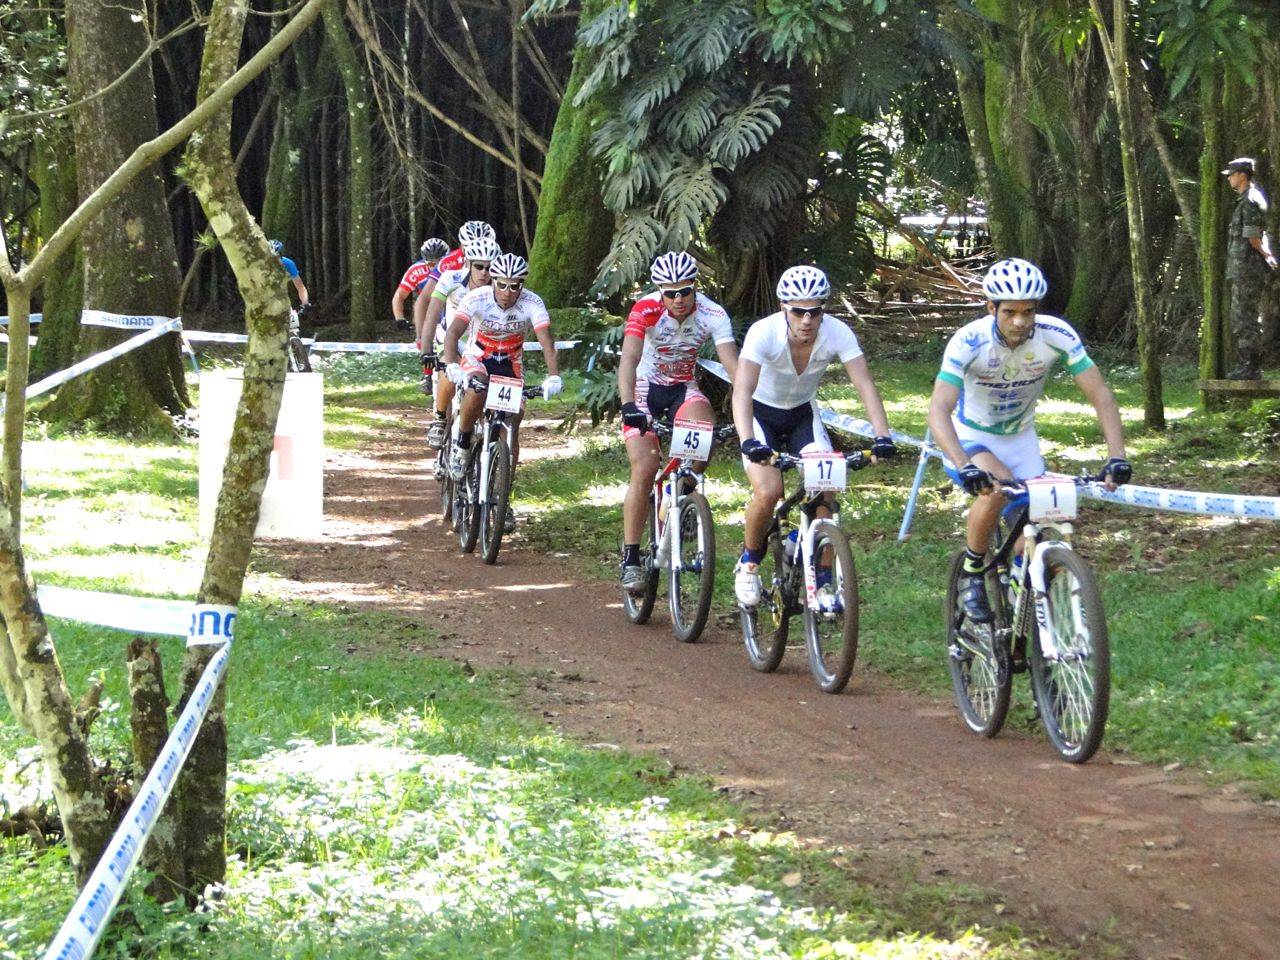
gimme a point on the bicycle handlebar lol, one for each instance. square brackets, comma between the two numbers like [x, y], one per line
[1014, 488]
[530, 391]
[854, 461]
[662, 430]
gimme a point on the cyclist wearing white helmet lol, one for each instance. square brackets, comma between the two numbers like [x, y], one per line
[774, 402]
[415, 278]
[291, 271]
[656, 378]
[449, 291]
[496, 317]
[982, 413]
[469, 232]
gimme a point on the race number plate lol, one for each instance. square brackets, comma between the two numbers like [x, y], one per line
[1051, 500]
[691, 440]
[824, 472]
[505, 393]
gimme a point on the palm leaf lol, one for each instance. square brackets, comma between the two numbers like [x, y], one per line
[609, 24]
[711, 32]
[690, 117]
[742, 132]
[652, 88]
[692, 193]
[636, 240]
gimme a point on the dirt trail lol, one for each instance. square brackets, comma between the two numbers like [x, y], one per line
[1159, 861]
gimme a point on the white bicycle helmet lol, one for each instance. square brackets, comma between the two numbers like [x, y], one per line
[475, 230]
[674, 267]
[482, 248]
[803, 283]
[434, 249]
[276, 246]
[1014, 279]
[509, 266]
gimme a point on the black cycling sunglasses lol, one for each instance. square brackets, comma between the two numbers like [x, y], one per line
[677, 294]
[482, 266]
[508, 284]
[804, 313]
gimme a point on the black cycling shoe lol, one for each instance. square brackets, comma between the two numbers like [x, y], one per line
[971, 588]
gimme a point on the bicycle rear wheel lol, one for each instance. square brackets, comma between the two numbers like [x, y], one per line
[831, 633]
[447, 492]
[469, 504]
[765, 626]
[693, 577]
[493, 508]
[299, 357]
[979, 662]
[639, 606]
[1072, 690]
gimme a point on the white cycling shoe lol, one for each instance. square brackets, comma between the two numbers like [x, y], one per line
[457, 464]
[746, 583]
[435, 434]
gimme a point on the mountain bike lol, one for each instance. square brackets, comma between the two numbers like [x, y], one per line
[480, 499]
[1048, 620]
[808, 569]
[679, 535]
[297, 352]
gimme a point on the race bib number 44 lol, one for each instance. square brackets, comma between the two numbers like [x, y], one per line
[1051, 500]
[691, 440]
[824, 472]
[505, 393]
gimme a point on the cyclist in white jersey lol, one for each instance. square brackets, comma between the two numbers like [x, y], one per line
[497, 317]
[448, 292]
[982, 413]
[657, 379]
[774, 402]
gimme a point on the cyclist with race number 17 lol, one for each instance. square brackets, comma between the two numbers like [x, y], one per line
[982, 412]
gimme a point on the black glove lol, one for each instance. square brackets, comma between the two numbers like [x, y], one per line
[883, 448]
[304, 307]
[974, 479]
[634, 417]
[756, 452]
[402, 323]
[429, 361]
[1118, 469]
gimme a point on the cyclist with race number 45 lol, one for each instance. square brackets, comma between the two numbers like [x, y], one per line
[775, 403]
[982, 412]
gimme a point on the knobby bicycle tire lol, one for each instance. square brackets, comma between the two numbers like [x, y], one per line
[469, 529]
[494, 500]
[639, 606]
[765, 626]
[703, 580]
[987, 716]
[832, 673]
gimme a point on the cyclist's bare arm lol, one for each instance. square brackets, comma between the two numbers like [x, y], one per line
[632, 348]
[1097, 392]
[454, 334]
[860, 376]
[941, 404]
[728, 354]
[548, 343]
[745, 379]
[426, 316]
[397, 303]
[303, 297]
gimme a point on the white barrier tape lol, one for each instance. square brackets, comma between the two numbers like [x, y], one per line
[83, 928]
[98, 359]
[138, 614]
[122, 321]
[211, 624]
[31, 318]
[210, 336]
[4, 338]
[337, 346]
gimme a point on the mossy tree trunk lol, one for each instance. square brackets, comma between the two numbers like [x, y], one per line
[360, 162]
[130, 261]
[574, 228]
[55, 172]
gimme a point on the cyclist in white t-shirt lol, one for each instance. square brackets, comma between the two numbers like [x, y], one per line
[774, 401]
[983, 409]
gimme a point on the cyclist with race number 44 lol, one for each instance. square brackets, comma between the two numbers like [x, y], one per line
[982, 412]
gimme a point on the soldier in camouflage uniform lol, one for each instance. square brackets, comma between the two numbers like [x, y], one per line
[1249, 261]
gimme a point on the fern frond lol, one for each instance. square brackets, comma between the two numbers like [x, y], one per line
[636, 241]
[610, 70]
[609, 24]
[743, 131]
[690, 117]
[655, 86]
[690, 195]
[711, 31]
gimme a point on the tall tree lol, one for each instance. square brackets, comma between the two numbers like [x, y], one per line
[130, 261]
[55, 171]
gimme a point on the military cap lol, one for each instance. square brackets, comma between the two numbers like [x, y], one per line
[1239, 165]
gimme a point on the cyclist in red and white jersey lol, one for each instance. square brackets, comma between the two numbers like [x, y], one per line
[497, 317]
[415, 278]
[469, 232]
[449, 292]
[656, 379]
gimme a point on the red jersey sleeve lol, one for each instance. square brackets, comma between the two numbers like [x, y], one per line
[454, 261]
[414, 277]
[643, 316]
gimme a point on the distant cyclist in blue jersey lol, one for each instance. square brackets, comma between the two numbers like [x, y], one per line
[291, 269]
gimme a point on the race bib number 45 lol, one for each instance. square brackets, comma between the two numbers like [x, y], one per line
[505, 394]
[824, 472]
[691, 440]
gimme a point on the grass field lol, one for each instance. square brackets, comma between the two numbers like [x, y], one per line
[385, 803]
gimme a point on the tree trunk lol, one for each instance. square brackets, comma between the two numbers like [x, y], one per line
[574, 228]
[1213, 227]
[360, 169]
[202, 786]
[60, 332]
[129, 254]
[1115, 46]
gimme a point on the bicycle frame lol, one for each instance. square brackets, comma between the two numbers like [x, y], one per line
[669, 487]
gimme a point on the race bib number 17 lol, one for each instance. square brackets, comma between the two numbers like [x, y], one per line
[824, 472]
[691, 439]
[505, 394]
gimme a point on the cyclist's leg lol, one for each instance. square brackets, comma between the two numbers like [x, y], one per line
[766, 491]
[810, 436]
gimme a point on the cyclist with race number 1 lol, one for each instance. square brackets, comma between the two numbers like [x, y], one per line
[982, 412]
[657, 378]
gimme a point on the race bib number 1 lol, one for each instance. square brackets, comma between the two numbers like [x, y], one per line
[824, 472]
[1051, 500]
[505, 393]
[691, 439]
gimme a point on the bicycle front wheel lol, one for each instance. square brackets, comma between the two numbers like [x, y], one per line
[469, 505]
[693, 575]
[831, 630]
[493, 508]
[765, 626]
[1071, 673]
[639, 606]
[299, 358]
[446, 482]
[979, 661]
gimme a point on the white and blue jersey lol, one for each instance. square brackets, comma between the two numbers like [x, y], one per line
[999, 384]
